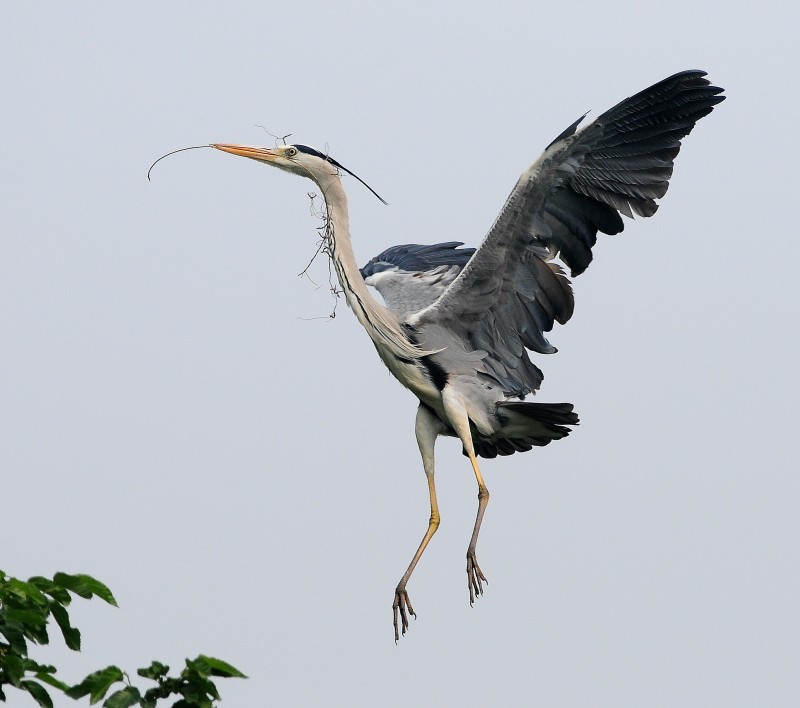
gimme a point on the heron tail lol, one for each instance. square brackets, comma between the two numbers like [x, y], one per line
[525, 425]
[552, 413]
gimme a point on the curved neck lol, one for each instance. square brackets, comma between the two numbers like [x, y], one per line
[337, 233]
[381, 324]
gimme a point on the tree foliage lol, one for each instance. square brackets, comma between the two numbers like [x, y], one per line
[26, 608]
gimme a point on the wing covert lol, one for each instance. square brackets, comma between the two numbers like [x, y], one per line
[411, 276]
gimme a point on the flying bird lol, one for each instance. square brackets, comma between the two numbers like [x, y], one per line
[458, 324]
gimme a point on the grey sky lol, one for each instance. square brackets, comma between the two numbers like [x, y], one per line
[245, 477]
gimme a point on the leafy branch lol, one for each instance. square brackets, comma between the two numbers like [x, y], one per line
[25, 611]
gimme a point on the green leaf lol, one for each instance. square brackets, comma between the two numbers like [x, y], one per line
[25, 591]
[194, 702]
[124, 698]
[197, 687]
[52, 680]
[155, 671]
[48, 587]
[37, 632]
[33, 667]
[72, 636]
[218, 667]
[95, 685]
[85, 586]
[198, 666]
[40, 695]
[15, 638]
[28, 617]
[14, 668]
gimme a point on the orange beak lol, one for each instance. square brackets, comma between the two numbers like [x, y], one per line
[254, 153]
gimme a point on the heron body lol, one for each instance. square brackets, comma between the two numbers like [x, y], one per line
[458, 323]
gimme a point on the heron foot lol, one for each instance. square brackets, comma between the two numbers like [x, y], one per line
[475, 578]
[401, 608]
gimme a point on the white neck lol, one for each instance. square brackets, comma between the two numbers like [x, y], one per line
[381, 324]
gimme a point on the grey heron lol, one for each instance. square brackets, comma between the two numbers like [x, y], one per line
[458, 323]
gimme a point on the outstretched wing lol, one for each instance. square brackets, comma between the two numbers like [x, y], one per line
[412, 276]
[511, 292]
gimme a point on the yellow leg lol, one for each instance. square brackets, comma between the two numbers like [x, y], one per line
[458, 418]
[475, 578]
[401, 602]
[428, 426]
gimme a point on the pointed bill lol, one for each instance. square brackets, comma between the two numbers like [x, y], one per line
[254, 153]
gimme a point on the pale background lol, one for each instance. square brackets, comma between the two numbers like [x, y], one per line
[245, 478]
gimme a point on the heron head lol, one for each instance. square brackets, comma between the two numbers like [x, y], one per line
[298, 159]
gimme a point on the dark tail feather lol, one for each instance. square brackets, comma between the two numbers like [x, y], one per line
[526, 425]
[555, 413]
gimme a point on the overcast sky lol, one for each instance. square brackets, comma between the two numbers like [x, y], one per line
[180, 419]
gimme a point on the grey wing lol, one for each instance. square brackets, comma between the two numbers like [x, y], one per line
[511, 293]
[412, 276]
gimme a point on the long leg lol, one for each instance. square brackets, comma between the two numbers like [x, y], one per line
[427, 428]
[475, 578]
[459, 419]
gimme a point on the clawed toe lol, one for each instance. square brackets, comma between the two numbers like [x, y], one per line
[475, 578]
[402, 608]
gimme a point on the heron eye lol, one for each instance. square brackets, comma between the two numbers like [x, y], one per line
[291, 152]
